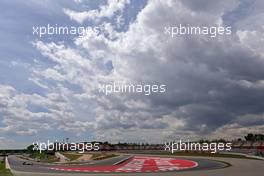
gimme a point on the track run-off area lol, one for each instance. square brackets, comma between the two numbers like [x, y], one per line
[138, 164]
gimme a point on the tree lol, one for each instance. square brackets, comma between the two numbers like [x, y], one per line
[30, 148]
[249, 137]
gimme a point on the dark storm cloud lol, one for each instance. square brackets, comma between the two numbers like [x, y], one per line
[210, 82]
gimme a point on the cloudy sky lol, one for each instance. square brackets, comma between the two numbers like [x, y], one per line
[49, 84]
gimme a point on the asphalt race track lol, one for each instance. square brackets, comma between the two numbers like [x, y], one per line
[122, 165]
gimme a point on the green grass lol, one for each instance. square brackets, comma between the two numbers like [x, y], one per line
[210, 155]
[202, 154]
[72, 156]
[50, 159]
[3, 170]
[44, 157]
[96, 155]
[101, 156]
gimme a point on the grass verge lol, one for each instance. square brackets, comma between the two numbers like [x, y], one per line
[3, 170]
[102, 156]
[202, 154]
[72, 156]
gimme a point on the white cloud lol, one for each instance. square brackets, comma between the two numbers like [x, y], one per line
[6, 143]
[253, 40]
[28, 114]
[107, 11]
[195, 69]
[210, 82]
